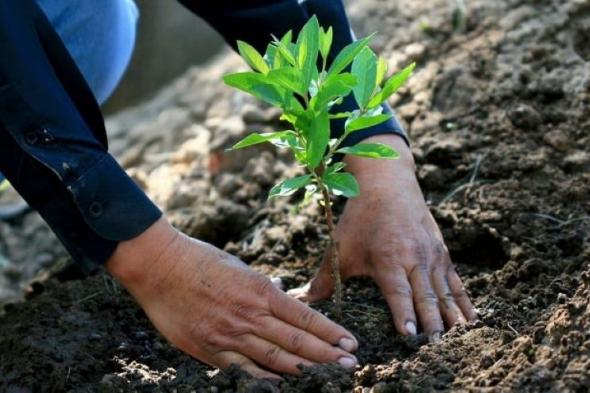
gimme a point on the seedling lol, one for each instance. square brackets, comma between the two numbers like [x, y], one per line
[297, 77]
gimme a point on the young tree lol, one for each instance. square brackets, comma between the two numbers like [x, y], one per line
[295, 77]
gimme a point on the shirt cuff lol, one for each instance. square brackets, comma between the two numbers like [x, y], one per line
[111, 203]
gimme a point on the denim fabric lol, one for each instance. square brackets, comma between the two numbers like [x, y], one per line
[100, 36]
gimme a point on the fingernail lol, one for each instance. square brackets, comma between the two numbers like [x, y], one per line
[435, 338]
[411, 328]
[348, 361]
[347, 344]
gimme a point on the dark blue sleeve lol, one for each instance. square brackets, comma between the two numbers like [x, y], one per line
[254, 21]
[53, 145]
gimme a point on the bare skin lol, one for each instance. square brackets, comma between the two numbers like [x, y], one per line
[215, 308]
[388, 233]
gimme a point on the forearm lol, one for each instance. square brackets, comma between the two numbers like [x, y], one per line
[53, 143]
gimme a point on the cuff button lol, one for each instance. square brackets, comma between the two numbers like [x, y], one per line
[95, 209]
[32, 137]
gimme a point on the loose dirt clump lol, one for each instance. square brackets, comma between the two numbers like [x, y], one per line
[499, 116]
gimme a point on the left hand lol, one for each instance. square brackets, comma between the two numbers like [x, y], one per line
[388, 233]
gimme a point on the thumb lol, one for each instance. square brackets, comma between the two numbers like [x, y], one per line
[319, 288]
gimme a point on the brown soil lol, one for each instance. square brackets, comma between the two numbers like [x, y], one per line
[499, 116]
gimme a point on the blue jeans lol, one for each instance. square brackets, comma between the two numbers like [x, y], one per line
[100, 36]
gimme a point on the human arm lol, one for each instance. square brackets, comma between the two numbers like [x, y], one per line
[53, 150]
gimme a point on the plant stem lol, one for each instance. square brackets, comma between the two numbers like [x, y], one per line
[333, 247]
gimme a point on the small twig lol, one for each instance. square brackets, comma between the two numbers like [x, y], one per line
[585, 218]
[87, 298]
[513, 329]
[471, 181]
[548, 217]
[559, 222]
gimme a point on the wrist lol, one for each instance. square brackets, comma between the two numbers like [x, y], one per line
[134, 259]
[361, 166]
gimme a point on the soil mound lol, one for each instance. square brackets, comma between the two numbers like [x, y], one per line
[499, 115]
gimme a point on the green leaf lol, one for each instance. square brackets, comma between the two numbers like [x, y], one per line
[256, 85]
[326, 38]
[347, 55]
[252, 57]
[335, 86]
[381, 71]
[307, 49]
[288, 77]
[365, 122]
[342, 183]
[364, 67]
[370, 150]
[290, 186]
[286, 54]
[256, 138]
[337, 167]
[284, 50]
[4, 185]
[317, 139]
[270, 55]
[287, 39]
[392, 85]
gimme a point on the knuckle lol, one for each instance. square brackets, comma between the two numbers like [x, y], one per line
[296, 341]
[440, 249]
[403, 291]
[263, 287]
[461, 294]
[420, 269]
[307, 318]
[271, 355]
[243, 312]
[447, 300]
[218, 340]
[416, 249]
[427, 299]
[384, 253]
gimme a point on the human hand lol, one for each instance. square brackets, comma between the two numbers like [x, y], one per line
[215, 308]
[388, 233]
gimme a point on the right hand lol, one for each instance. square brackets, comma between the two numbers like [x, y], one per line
[215, 308]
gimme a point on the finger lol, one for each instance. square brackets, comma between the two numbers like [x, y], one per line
[397, 291]
[306, 345]
[277, 282]
[319, 288]
[460, 295]
[227, 358]
[300, 315]
[426, 301]
[270, 355]
[449, 309]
